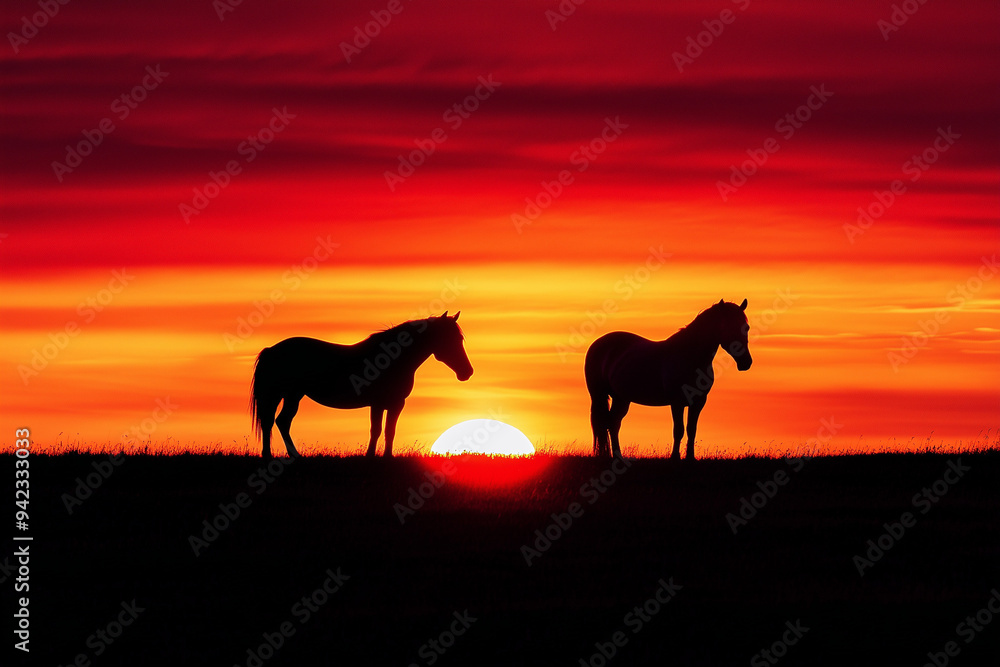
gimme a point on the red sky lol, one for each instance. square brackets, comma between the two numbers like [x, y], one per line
[851, 294]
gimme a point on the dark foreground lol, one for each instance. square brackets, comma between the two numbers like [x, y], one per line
[318, 569]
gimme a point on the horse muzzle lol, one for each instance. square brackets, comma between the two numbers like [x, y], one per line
[744, 363]
[464, 375]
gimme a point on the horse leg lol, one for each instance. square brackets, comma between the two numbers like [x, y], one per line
[265, 412]
[376, 430]
[284, 422]
[391, 417]
[677, 411]
[693, 411]
[619, 408]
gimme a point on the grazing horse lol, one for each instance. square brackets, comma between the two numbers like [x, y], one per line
[675, 372]
[377, 373]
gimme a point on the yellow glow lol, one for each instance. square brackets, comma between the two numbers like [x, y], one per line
[820, 342]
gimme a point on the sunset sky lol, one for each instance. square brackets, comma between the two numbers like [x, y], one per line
[185, 183]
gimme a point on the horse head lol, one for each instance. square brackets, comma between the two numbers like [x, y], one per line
[448, 346]
[733, 331]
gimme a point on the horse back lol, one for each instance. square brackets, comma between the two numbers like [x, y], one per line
[636, 369]
[336, 375]
[301, 352]
[606, 353]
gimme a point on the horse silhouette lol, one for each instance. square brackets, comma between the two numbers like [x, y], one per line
[677, 372]
[377, 372]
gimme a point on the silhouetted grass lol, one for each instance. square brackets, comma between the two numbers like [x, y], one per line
[985, 441]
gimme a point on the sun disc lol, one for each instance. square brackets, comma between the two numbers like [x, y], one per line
[483, 436]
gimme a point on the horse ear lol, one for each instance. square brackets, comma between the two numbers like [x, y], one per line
[445, 314]
[456, 316]
[743, 306]
[721, 302]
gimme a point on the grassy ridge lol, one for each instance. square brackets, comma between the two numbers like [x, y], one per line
[462, 547]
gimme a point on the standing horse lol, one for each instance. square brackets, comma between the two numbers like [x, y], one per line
[675, 372]
[377, 372]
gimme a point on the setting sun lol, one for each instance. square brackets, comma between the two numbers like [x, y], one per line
[483, 436]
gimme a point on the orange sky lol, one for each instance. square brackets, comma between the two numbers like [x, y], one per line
[830, 301]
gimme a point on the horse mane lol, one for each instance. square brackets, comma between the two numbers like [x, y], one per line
[702, 318]
[392, 331]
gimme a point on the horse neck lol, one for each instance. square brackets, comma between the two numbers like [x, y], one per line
[421, 349]
[700, 339]
[411, 355]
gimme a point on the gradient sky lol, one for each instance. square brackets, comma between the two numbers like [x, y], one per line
[312, 233]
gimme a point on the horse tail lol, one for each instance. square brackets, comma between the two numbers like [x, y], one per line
[600, 422]
[600, 411]
[262, 380]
